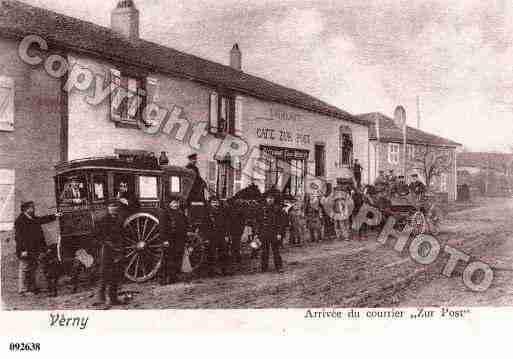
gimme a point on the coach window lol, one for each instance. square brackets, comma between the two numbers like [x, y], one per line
[73, 189]
[174, 185]
[124, 186]
[99, 182]
[148, 187]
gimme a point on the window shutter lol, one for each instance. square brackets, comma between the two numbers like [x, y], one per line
[389, 153]
[115, 83]
[238, 115]
[214, 107]
[6, 103]
[212, 175]
[237, 175]
[6, 199]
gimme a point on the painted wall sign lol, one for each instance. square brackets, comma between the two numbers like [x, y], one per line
[283, 136]
[277, 114]
[285, 153]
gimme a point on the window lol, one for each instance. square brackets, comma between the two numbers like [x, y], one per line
[222, 114]
[148, 188]
[6, 104]
[99, 187]
[175, 185]
[410, 149]
[393, 153]
[6, 199]
[443, 182]
[73, 190]
[128, 97]
[345, 146]
[124, 186]
[320, 160]
[285, 169]
[225, 179]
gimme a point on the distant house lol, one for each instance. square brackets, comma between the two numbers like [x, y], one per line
[432, 157]
[486, 173]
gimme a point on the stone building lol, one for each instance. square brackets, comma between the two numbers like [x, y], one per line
[432, 157]
[73, 89]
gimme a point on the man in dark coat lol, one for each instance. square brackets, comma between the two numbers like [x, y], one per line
[110, 234]
[218, 249]
[236, 213]
[30, 243]
[357, 172]
[173, 231]
[416, 186]
[197, 192]
[271, 224]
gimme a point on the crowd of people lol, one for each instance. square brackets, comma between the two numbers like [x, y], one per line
[323, 217]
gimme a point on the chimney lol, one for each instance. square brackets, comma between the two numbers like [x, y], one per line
[124, 19]
[236, 58]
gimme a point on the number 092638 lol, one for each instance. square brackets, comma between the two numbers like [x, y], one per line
[24, 347]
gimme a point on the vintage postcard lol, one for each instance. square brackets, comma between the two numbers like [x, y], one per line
[292, 163]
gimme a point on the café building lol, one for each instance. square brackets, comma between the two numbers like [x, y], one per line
[77, 90]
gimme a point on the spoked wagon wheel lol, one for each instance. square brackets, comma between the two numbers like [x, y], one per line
[142, 248]
[417, 221]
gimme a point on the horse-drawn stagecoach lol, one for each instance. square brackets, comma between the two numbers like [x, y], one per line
[85, 187]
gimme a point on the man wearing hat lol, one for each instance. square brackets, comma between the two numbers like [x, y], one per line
[173, 231]
[218, 250]
[197, 193]
[30, 243]
[271, 224]
[110, 234]
[416, 186]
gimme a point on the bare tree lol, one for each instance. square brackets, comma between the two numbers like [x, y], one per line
[431, 162]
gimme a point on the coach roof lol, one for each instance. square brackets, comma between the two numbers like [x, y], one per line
[18, 20]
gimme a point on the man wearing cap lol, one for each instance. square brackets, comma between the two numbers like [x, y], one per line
[110, 234]
[270, 229]
[173, 232]
[416, 186]
[197, 193]
[30, 243]
[218, 249]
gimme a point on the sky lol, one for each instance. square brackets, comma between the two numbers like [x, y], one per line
[359, 55]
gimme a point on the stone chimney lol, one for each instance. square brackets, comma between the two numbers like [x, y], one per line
[236, 58]
[124, 19]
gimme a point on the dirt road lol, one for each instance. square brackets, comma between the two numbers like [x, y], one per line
[339, 274]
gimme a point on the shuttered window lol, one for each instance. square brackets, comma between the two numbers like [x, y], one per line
[6, 103]
[6, 199]
[128, 97]
[238, 115]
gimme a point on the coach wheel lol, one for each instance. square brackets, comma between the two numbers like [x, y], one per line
[142, 248]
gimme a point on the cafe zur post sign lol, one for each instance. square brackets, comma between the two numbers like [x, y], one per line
[283, 134]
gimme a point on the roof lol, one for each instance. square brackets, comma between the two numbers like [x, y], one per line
[389, 132]
[114, 163]
[497, 161]
[18, 20]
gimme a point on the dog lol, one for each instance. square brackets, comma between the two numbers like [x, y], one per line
[53, 269]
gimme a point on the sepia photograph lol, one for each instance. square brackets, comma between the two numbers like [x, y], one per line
[243, 154]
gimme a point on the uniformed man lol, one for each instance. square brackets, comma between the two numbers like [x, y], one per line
[197, 192]
[218, 252]
[30, 244]
[270, 228]
[173, 231]
[416, 186]
[110, 233]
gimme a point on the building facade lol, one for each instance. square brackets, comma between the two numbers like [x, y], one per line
[78, 90]
[432, 157]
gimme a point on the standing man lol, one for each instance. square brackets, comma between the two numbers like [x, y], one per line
[173, 230]
[416, 186]
[30, 243]
[197, 193]
[271, 226]
[110, 233]
[357, 172]
[218, 248]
